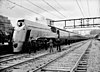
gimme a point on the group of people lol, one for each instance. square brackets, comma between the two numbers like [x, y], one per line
[32, 45]
[51, 45]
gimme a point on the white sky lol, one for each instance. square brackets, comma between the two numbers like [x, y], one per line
[69, 8]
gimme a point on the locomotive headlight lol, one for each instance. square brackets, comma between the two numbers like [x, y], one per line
[20, 24]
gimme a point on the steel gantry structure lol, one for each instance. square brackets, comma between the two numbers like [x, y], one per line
[82, 23]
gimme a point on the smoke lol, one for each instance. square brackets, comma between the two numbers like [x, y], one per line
[1, 2]
[6, 4]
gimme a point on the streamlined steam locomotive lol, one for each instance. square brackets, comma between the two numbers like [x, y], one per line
[27, 30]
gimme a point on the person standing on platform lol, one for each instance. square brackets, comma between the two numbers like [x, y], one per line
[58, 45]
[51, 45]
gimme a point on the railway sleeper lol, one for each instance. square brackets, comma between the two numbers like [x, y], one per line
[81, 69]
[87, 52]
[47, 70]
[82, 65]
[85, 57]
[83, 62]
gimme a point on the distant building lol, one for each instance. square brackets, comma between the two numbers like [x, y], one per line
[5, 24]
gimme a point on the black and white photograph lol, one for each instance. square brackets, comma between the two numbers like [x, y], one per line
[49, 35]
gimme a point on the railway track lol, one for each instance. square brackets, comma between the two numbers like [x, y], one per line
[67, 62]
[9, 57]
[29, 62]
[14, 56]
[2, 56]
[90, 60]
[18, 56]
[94, 58]
[82, 62]
[16, 61]
[48, 61]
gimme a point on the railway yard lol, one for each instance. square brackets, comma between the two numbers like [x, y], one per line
[78, 57]
[49, 35]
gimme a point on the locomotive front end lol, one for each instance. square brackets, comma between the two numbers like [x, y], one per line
[19, 36]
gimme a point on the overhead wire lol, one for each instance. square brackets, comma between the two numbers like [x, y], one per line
[80, 8]
[42, 8]
[59, 4]
[24, 8]
[99, 7]
[88, 7]
[54, 8]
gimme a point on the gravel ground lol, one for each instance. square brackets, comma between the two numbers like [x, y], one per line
[5, 55]
[94, 58]
[15, 61]
[21, 56]
[34, 64]
[13, 56]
